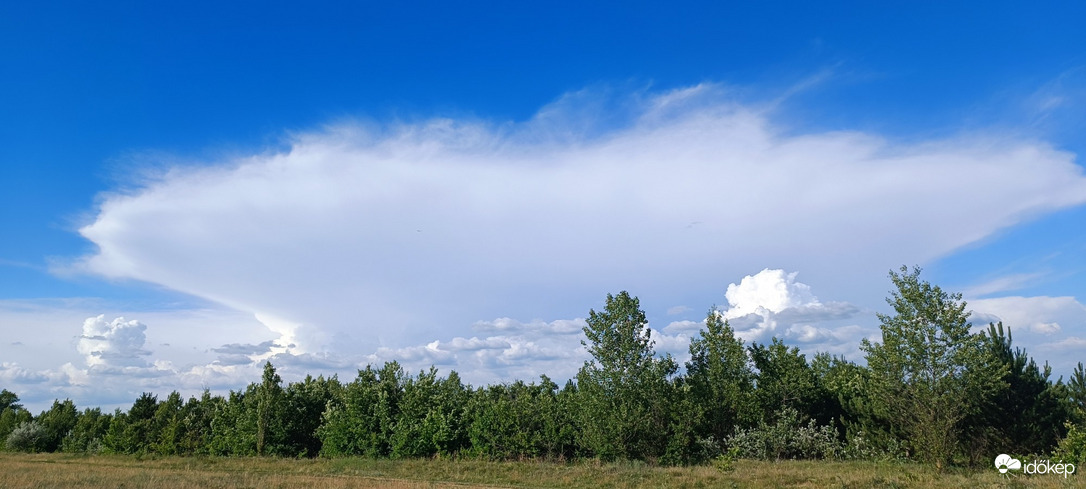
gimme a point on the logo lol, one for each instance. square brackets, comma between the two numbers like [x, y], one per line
[1005, 462]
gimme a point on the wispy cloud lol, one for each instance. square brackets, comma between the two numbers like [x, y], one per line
[1005, 283]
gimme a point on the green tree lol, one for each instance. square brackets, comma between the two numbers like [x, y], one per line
[86, 435]
[624, 389]
[305, 405]
[132, 432]
[233, 426]
[268, 408]
[9, 399]
[167, 427]
[929, 372]
[1028, 415]
[785, 380]
[196, 418]
[1076, 394]
[12, 414]
[431, 418]
[720, 379]
[360, 422]
[57, 422]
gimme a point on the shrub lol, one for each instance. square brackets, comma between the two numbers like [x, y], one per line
[1072, 448]
[27, 437]
[788, 438]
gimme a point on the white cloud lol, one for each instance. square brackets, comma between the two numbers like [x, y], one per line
[767, 291]
[1041, 314]
[356, 239]
[1049, 328]
[772, 303]
[114, 343]
[1001, 284]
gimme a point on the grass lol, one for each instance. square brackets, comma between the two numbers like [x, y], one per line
[100, 471]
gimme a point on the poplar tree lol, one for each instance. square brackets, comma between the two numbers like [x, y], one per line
[930, 371]
[624, 388]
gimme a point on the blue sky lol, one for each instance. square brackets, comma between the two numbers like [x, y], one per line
[338, 183]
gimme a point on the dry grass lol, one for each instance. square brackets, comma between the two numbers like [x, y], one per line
[63, 471]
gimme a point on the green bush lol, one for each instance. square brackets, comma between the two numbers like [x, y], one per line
[1072, 448]
[787, 438]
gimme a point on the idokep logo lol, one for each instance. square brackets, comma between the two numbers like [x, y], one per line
[1005, 463]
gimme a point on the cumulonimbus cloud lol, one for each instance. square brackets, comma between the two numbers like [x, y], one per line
[357, 238]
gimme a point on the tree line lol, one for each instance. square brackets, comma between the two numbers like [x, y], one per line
[931, 390]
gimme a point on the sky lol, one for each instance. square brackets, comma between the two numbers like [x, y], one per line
[188, 190]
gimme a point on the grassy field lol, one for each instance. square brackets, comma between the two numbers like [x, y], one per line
[62, 471]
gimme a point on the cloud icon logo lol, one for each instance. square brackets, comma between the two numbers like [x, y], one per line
[1005, 462]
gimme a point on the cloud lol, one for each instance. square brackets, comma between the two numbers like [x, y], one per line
[1001, 284]
[560, 326]
[12, 373]
[1040, 314]
[1049, 328]
[769, 291]
[117, 343]
[359, 237]
[245, 349]
[392, 241]
[772, 302]
[671, 311]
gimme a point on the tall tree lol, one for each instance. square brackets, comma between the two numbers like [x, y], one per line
[720, 379]
[268, 408]
[930, 371]
[1028, 415]
[624, 388]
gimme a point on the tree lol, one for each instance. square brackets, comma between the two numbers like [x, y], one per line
[57, 422]
[1026, 416]
[268, 409]
[930, 371]
[12, 414]
[86, 435]
[785, 380]
[624, 388]
[131, 432]
[1076, 397]
[720, 379]
[431, 418]
[8, 400]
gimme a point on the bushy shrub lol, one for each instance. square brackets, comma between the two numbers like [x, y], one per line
[1072, 448]
[787, 438]
[861, 446]
[27, 437]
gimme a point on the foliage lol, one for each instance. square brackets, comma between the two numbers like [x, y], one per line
[11, 415]
[57, 422]
[787, 438]
[9, 400]
[1026, 414]
[930, 372]
[86, 435]
[721, 381]
[361, 422]
[431, 417]
[931, 389]
[624, 389]
[30, 436]
[517, 420]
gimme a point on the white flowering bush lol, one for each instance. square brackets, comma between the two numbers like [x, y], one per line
[787, 438]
